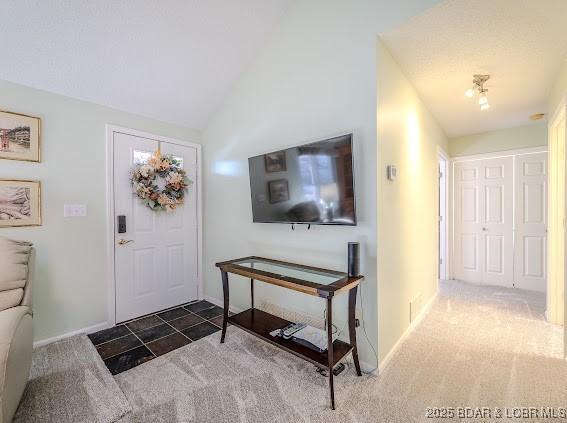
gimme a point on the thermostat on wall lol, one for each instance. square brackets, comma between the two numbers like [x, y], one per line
[392, 172]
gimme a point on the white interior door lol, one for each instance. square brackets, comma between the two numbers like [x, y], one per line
[483, 237]
[157, 267]
[497, 203]
[530, 254]
[468, 252]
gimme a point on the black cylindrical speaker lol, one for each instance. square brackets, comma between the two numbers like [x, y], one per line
[353, 259]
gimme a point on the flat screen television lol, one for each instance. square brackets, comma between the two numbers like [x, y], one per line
[310, 184]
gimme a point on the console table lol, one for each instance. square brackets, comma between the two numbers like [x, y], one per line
[322, 283]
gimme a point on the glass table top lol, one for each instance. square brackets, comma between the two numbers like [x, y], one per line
[321, 277]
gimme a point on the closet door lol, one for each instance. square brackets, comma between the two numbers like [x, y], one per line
[483, 242]
[531, 222]
[468, 252]
[497, 204]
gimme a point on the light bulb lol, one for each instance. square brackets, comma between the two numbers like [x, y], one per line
[485, 106]
[483, 99]
[469, 93]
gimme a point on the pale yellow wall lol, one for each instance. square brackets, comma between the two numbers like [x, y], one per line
[559, 89]
[408, 137]
[532, 135]
[556, 238]
[70, 291]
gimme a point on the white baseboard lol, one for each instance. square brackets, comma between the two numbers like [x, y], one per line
[384, 363]
[87, 330]
[220, 303]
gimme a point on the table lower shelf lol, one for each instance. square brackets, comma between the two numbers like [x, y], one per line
[260, 323]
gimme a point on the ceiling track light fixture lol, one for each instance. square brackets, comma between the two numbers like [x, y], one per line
[478, 88]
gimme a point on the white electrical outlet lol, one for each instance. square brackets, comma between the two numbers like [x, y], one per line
[74, 210]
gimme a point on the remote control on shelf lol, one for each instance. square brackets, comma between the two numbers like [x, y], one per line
[291, 329]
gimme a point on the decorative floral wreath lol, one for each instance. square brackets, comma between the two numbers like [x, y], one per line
[145, 182]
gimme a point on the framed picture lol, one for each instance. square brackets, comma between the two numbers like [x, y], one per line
[20, 203]
[275, 162]
[278, 191]
[19, 137]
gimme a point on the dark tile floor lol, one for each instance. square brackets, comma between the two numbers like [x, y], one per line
[137, 341]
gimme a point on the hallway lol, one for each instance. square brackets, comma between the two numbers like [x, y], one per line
[478, 347]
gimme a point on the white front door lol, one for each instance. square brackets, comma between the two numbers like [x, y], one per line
[484, 221]
[531, 222]
[156, 258]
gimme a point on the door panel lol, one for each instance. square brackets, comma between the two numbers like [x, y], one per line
[534, 256]
[494, 250]
[469, 245]
[530, 256]
[144, 271]
[157, 268]
[470, 204]
[493, 196]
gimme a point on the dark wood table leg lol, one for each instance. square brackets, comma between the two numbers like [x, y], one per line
[330, 348]
[352, 327]
[251, 293]
[224, 276]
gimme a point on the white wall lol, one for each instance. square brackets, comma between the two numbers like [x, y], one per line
[408, 208]
[315, 77]
[526, 136]
[70, 287]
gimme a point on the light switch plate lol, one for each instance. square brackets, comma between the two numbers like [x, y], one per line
[74, 210]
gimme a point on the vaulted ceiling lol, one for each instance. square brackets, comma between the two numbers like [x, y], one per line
[520, 43]
[174, 60]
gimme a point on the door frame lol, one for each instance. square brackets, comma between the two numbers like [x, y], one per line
[473, 157]
[110, 263]
[444, 212]
[560, 113]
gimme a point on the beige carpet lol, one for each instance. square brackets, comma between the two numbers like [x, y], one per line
[69, 383]
[478, 347]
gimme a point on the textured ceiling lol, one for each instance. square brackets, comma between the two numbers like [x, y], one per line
[173, 60]
[520, 43]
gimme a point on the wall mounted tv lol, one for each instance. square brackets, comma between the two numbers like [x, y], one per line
[310, 184]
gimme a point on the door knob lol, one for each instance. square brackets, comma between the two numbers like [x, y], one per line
[125, 241]
[484, 229]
